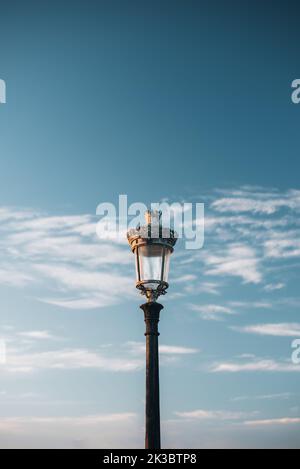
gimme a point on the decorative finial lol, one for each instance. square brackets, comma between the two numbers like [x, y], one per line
[153, 217]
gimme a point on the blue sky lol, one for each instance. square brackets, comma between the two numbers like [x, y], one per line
[189, 102]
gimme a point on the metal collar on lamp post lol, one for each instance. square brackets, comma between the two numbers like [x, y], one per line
[152, 245]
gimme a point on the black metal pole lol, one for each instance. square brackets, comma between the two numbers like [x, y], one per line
[152, 438]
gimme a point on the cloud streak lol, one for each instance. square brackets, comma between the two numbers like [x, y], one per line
[67, 359]
[238, 261]
[63, 254]
[275, 330]
[24, 355]
[257, 365]
[211, 312]
[258, 203]
[116, 429]
[201, 414]
[273, 422]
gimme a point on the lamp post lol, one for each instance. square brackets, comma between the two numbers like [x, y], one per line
[152, 245]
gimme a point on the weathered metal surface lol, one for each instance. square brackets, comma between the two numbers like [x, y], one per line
[152, 314]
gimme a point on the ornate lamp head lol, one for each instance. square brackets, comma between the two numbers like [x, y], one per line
[152, 245]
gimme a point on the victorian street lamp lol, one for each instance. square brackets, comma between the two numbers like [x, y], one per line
[152, 246]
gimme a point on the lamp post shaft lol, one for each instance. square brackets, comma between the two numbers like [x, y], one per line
[152, 437]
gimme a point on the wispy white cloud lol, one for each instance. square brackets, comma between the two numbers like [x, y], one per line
[255, 365]
[74, 278]
[38, 335]
[217, 312]
[264, 397]
[13, 214]
[67, 359]
[78, 421]
[82, 302]
[283, 245]
[96, 289]
[196, 287]
[276, 330]
[38, 222]
[24, 354]
[240, 205]
[237, 261]
[201, 414]
[209, 287]
[119, 429]
[259, 202]
[251, 304]
[248, 228]
[13, 277]
[211, 312]
[63, 254]
[274, 286]
[185, 278]
[272, 422]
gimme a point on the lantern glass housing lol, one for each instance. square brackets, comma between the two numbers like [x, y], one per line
[152, 255]
[154, 261]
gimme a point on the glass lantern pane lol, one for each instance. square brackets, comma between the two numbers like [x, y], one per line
[150, 261]
[137, 265]
[167, 265]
